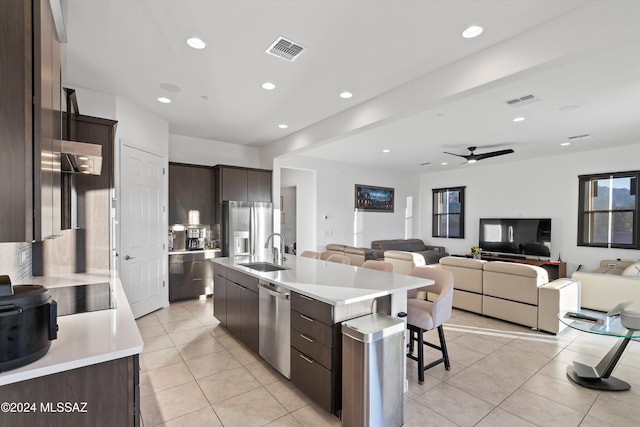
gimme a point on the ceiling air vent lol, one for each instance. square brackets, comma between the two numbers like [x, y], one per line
[285, 49]
[523, 100]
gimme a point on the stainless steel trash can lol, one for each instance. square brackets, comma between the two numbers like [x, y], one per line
[372, 371]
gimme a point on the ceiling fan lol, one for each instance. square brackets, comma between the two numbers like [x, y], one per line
[472, 158]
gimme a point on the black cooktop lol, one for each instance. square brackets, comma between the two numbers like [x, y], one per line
[83, 298]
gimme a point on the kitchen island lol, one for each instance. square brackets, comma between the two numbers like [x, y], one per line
[89, 376]
[321, 295]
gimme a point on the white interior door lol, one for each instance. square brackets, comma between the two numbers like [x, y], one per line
[142, 253]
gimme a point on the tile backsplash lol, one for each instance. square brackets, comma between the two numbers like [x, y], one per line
[15, 261]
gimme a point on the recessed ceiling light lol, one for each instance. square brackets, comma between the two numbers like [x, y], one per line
[283, 126]
[268, 86]
[346, 95]
[518, 119]
[196, 43]
[164, 100]
[472, 31]
[170, 87]
[85, 166]
[83, 158]
[444, 163]
[564, 144]
[386, 150]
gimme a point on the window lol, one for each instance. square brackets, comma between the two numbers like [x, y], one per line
[608, 210]
[448, 212]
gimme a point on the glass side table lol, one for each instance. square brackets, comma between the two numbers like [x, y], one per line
[599, 377]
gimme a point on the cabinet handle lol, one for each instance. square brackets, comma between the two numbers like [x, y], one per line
[306, 297]
[306, 338]
[306, 318]
[306, 358]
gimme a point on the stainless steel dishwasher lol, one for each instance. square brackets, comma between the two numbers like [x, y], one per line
[275, 326]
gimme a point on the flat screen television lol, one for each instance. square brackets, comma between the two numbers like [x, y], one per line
[520, 236]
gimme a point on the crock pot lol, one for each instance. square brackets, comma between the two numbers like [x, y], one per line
[28, 323]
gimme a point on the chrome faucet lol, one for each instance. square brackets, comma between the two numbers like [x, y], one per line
[278, 255]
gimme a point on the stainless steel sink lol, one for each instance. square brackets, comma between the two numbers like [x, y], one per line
[263, 266]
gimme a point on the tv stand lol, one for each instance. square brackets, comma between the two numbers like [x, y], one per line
[555, 269]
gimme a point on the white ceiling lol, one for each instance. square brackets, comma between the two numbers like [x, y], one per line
[419, 87]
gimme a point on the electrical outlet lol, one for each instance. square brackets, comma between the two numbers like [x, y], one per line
[23, 256]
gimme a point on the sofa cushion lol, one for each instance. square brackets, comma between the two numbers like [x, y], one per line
[633, 270]
[612, 266]
[384, 245]
[517, 269]
[476, 264]
[403, 262]
[467, 273]
[411, 245]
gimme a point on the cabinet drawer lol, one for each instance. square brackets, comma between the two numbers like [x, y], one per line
[312, 328]
[312, 308]
[312, 379]
[243, 279]
[312, 348]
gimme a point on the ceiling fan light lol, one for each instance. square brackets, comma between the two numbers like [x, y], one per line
[471, 161]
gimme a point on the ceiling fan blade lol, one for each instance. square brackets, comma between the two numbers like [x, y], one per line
[454, 154]
[493, 154]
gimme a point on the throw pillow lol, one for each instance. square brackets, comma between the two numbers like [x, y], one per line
[633, 270]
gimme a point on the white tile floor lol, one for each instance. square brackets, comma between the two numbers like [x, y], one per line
[195, 374]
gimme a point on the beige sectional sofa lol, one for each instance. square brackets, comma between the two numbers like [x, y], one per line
[356, 255]
[403, 262]
[613, 282]
[518, 293]
[467, 287]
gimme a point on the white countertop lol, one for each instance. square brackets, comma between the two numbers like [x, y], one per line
[330, 282]
[85, 338]
[206, 252]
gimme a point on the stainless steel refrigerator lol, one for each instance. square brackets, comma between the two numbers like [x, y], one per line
[245, 227]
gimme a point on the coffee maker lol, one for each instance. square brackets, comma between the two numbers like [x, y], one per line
[195, 238]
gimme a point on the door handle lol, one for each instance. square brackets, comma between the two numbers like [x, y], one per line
[127, 257]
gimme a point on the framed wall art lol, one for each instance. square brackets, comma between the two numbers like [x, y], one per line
[369, 198]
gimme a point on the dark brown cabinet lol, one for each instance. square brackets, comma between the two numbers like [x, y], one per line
[190, 275]
[30, 76]
[220, 298]
[315, 351]
[236, 304]
[106, 394]
[241, 185]
[191, 187]
[316, 348]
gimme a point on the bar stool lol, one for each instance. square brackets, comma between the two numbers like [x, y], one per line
[423, 316]
[378, 265]
[340, 259]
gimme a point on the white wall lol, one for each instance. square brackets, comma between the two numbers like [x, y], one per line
[534, 188]
[306, 186]
[288, 213]
[337, 221]
[93, 103]
[197, 151]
